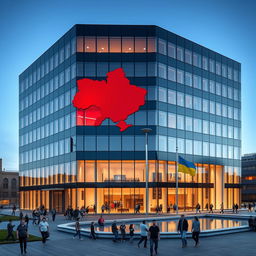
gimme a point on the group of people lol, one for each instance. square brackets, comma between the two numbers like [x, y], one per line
[73, 214]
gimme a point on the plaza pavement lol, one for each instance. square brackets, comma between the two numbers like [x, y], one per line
[62, 244]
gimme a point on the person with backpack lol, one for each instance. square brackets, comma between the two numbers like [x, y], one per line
[196, 230]
[44, 229]
[182, 229]
[10, 231]
[22, 236]
[123, 233]
[154, 236]
[78, 230]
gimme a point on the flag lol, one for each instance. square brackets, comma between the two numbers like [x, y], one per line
[186, 166]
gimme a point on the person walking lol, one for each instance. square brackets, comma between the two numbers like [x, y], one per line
[93, 234]
[131, 229]
[53, 212]
[182, 229]
[14, 208]
[236, 208]
[143, 234]
[196, 230]
[22, 236]
[123, 233]
[101, 221]
[78, 230]
[154, 236]
[211, 208]
[44, 229]
[222, 208]
[115, 231]
[26, 219]
[10, 231]
[198, 207]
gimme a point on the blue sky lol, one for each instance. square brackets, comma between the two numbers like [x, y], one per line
[28, 28]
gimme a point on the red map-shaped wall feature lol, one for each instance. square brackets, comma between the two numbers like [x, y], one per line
[114, 98]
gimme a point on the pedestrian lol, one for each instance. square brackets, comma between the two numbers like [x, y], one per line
[115, 231]
[22, 236]
[182, 229]
[154, 236]
[131, 229]
[10, 231]
[93, 234]
[198, 207]
[101, 221]
[143, 234]
[78, 230]
[44, 229]
[26, 219]
[21, 215]
[236, 208]
[211, 208]
[222, 208]
[196, 230]
[249, 207]
[53, 212]
[123, 233]
[14, 208]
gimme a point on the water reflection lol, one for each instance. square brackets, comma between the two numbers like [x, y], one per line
[171, 225]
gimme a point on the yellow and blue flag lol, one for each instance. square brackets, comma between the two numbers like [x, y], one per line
[186, 166]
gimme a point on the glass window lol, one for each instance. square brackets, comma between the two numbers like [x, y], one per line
[224, 70]
[152, 93]
[218, 129]
[236, 115]
[151, 44]
[172, 97]
[171, 120]
[139, 142]
[162, 72]
[102, 143]
[197, 103]
[140, 44]
[218, 150]
[212, 66]
[180, 76]
[188, 56]
[197, 60]
[180, 122]
[236, 94]
[224, 111]
[197, 82]
[230, 132]
[236, 133]
[197, 147]
[224, 90]
[236, 75]
[230, 92]
[67, 50]
[212, 107]
[102, 69]
[212, 128]
[80, 44]
[162, 46]
[127, 143]
[140, 69]
[197, 125]
[218, 68]
[212, 149]
[205, 85]
[188, 79]
[230, 112]
[102, 44]
[128, 68]
[218, 89]
[127, 44]
[89, 44]
[230, 76]
[218, 109]
[205, 63]
[181, 145]
[162, 118]
[115, 143]
[162, 143]
[90, 143]
[189, 124]
[115, 44]
[162, 94]
[171, 144]
[206, 148]
[212, 86]
[152, 71]
[230, 152]
[189, 147]
[180, 53]
[205, 127]
[188, 99]
[172, 74]
[152, 117]
[140, 118]
[224, 130]
[180, 99]
[171, 50]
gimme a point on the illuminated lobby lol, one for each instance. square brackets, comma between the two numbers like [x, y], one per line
[193, 102]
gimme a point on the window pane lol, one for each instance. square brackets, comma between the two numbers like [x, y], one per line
[171, 50]
[188, 56]
[89, 44]
[180, 99]
[102, 44]
[172, 74]
[171, 120]
[162, 94]
[140, 44]
[151, 44]
[162, 46]
[180, 53]
[127, 44]
[115, 44]
[162, 72]
[171, 144]
[162, 118]
[172, 97]
[80, 44]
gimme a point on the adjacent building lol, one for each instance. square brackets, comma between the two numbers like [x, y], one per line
[193, 102]
[249, 178]
[9, 187]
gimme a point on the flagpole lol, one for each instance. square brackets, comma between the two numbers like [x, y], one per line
[177, 182]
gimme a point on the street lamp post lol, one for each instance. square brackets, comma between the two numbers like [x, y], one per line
[146, 131]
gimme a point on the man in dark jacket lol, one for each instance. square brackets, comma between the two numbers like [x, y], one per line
[10, 230]
[182, 229]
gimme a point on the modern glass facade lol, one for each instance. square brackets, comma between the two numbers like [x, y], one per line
[193, 102]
